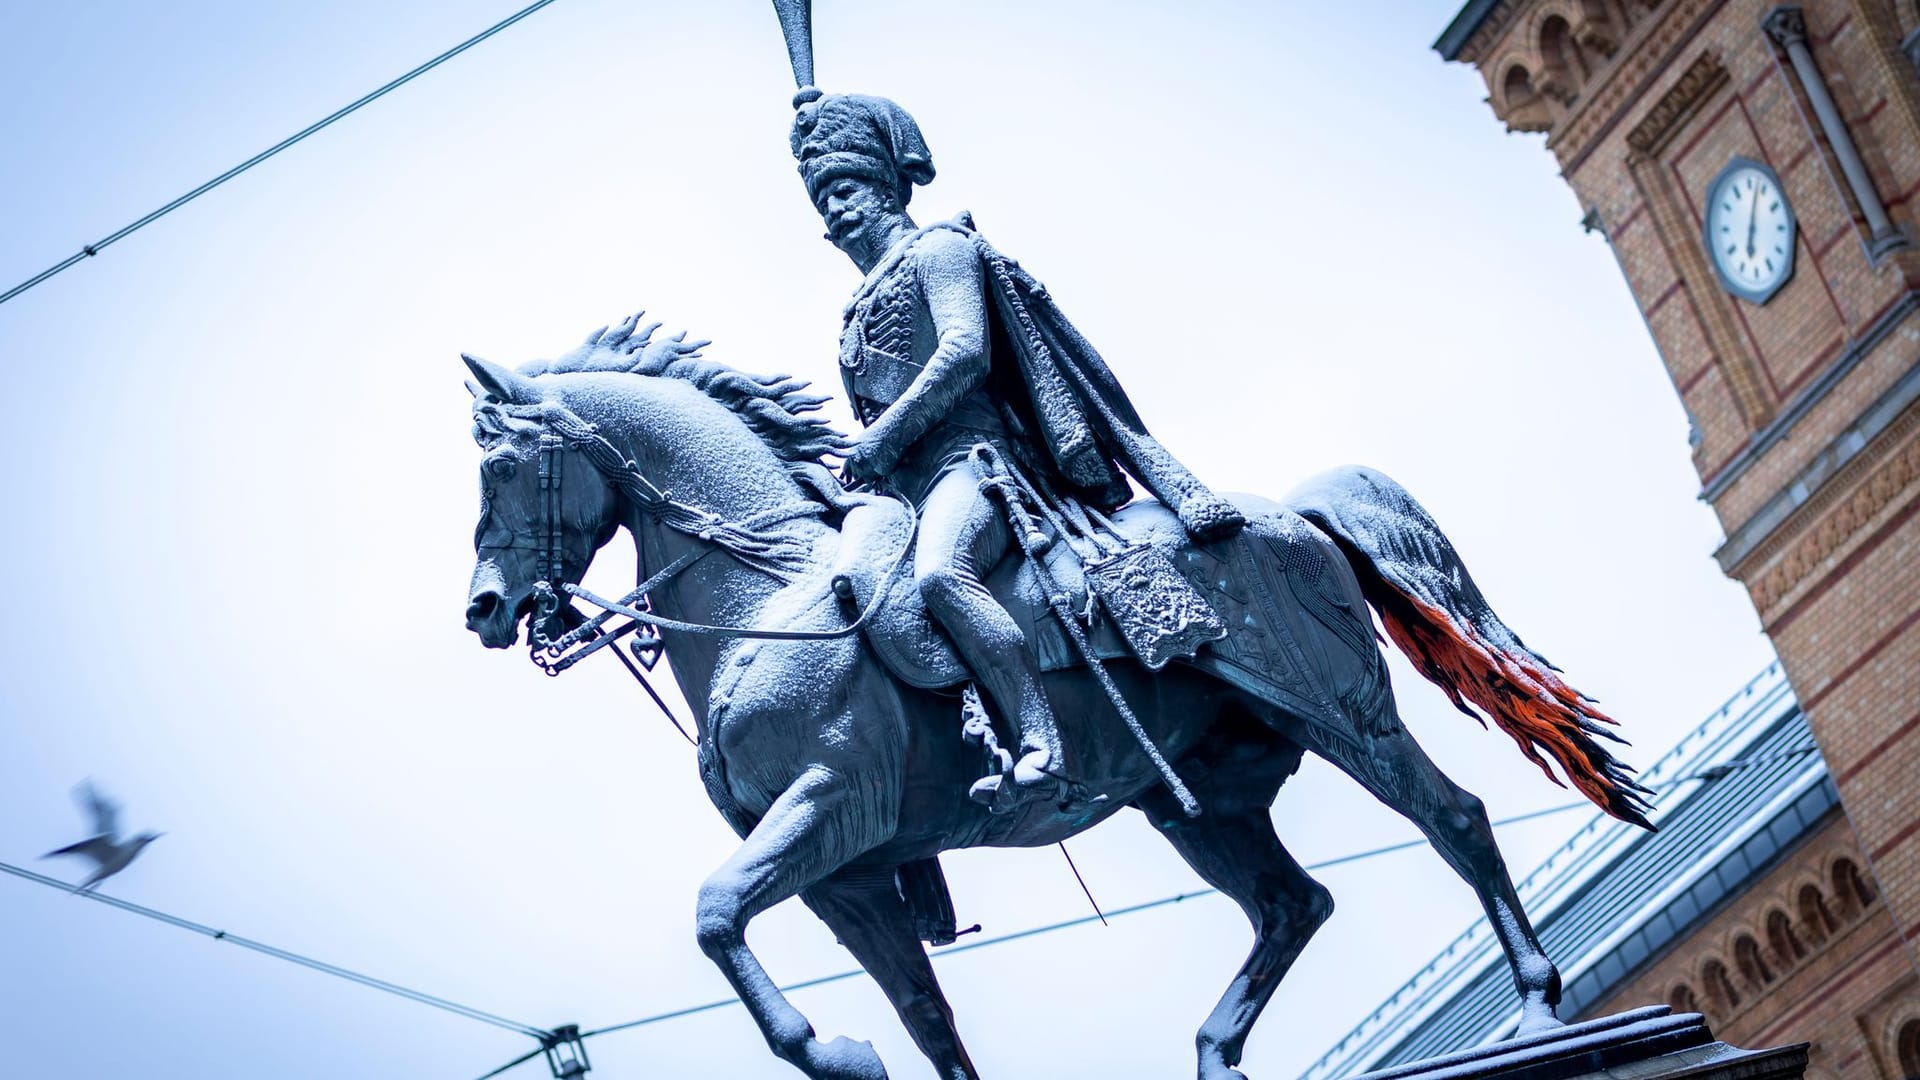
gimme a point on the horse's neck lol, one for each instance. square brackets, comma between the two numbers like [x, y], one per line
[699, 452]
[716, 588]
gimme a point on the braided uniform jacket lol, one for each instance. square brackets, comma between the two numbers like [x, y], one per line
[886, 343]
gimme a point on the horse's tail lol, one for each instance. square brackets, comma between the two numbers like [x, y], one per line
[1432, 609]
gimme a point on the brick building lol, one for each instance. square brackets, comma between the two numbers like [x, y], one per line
[1755, 168]
[1749, 905]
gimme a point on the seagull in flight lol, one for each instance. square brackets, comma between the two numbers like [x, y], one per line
[109, 853]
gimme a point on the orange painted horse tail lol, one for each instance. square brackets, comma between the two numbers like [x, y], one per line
[1432, 609]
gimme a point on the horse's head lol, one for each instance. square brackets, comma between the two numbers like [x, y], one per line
[554, 489]
[544, 509]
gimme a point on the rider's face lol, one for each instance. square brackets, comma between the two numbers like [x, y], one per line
[852, 207]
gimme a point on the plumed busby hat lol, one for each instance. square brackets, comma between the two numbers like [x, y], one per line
[854, 135]
[847, 135]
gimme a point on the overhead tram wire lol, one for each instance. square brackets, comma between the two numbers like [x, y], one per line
[90, 250]
[309, 962]
[548, 1038]
[1709, 774]
[1064, 924]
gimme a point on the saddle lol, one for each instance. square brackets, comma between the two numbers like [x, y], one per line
[1125, 603]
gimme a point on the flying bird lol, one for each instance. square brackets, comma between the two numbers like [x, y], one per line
[109, 853]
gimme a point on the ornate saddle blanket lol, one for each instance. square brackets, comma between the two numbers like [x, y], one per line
[1264, 585]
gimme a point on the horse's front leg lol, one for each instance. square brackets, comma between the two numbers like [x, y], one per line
[812, 829]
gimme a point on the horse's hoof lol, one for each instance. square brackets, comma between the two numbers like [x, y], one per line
[845, 1059]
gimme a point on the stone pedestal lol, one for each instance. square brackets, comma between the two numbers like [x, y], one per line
[1645, 1044]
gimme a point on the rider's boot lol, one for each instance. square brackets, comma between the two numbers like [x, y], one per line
[1040, 771]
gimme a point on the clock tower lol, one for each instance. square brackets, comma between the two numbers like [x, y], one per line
[1756, 167]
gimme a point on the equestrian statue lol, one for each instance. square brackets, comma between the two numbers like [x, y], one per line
[856, 649]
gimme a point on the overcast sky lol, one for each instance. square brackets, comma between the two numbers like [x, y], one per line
[239, 492]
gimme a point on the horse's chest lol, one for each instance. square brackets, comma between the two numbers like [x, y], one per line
[775, 704]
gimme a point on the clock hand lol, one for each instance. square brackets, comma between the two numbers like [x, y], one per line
[1753, 217]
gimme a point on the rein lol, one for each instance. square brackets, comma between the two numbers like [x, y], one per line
[747, 540]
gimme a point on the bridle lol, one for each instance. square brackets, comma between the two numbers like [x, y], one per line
[753, 541]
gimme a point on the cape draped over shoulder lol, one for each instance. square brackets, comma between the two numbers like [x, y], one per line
[1062, 396]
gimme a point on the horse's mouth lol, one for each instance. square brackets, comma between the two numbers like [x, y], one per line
[497, 624]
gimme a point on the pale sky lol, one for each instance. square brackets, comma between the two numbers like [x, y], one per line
[240, 493]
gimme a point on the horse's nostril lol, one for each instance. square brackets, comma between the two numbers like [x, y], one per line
[482, 607]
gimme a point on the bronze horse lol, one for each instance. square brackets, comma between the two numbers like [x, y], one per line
[836, 773]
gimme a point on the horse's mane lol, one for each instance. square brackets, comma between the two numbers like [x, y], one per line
[775, 407]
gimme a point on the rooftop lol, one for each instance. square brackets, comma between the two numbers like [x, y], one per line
[1455, 37]
[1739, 790]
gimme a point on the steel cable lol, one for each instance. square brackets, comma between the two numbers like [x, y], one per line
[341, 113]
[264, 949]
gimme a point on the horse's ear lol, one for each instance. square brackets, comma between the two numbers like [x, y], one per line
[506, 384]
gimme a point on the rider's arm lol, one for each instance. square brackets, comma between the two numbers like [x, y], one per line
[954, 285]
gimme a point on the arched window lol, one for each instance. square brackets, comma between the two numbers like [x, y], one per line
[1520, 104]
[1746, 954]
[1906, 1046]
[1719, 986]
[1786, 944]
[1561, 54]
[1814, 914]
[1518, 87]
[1682, 999]
[1850, 887]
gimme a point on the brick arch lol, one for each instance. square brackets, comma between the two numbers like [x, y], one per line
[1564, 65]
[1683, 999]
[1717, 985]
[1903, 1040]
[1814, 910]
[1851, 892]
[1783, 938]
[1515, 99]
[1753, 967]
[1566, 11]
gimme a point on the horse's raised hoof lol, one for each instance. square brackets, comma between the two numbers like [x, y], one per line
[844, 1059]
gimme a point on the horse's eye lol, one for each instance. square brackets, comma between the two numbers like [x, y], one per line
[501, 468]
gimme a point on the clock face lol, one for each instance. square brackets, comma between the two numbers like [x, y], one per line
[1750, 230]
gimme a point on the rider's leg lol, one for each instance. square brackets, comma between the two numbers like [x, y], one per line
[962, 536]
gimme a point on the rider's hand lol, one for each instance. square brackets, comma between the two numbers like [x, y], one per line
[871, 458]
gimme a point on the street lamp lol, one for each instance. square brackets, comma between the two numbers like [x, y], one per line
[566, 1052]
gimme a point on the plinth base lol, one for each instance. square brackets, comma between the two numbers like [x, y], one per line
[1644, 1044]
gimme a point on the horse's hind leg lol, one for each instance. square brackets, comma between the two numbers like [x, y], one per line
[864, 909]
[811, 830]
[1236, 851]
[1398, 772]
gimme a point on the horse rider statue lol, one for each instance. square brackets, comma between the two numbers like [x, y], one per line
[948, 346]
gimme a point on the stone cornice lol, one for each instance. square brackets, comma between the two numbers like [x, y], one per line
[1480, 24]
[1847, 504]
[1640, 63]
[1678, 105]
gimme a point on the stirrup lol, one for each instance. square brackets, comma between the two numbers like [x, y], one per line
[1001, 795]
